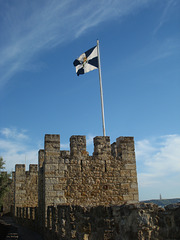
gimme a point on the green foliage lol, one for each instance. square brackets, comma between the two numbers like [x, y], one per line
[4, 181]
[2, 163]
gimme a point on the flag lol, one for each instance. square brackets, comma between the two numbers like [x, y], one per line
[87, 62]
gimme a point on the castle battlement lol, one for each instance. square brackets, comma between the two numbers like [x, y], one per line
[78, 145]
[52, 143]
[25, 186]
[72, 195]
[73, 177]
[20, 169]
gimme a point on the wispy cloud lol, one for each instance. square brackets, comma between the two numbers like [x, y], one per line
[12, 133]
[165, 14]
[158, 162]
[169, 47]
[153, 53]
[15, 148]
[30, 27]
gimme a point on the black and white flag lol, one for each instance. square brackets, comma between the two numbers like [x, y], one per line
[87, 62]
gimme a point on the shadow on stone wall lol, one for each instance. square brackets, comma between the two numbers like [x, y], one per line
[126, 222]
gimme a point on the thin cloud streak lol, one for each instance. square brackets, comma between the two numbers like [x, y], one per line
[164, 16]
[152, 53]
[31, 28]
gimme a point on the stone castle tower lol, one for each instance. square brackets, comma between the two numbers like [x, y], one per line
[72, 195]
[108, 177]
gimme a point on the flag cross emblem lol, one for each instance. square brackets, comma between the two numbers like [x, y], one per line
[87, 62]
[84, 61]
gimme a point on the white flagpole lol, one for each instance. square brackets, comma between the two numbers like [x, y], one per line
[101, 90]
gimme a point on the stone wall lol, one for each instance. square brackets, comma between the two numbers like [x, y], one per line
[26, 186]
[108, 177]
[89, 197]
[102, 179]
[125, 222]
[139, 221]
[28, 216]
[41, 187]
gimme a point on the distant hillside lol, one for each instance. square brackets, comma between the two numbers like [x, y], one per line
[163, 202]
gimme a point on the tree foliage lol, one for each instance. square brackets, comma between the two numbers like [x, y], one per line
[4, 181]
[2, 163]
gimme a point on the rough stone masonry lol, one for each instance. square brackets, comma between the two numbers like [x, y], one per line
[71, 195]
[108, 177]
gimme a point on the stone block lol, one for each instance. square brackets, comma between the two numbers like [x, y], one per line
[102, 145]
[78, 145]
[57, 187]
[134, 173]
[33, 168]
[19, 169]
[125, 173]
[124, 144]
[60, 193]
[52, 157]
[128, 197]
[134, 185]
[58, 201]
[130, 166]
[40, 158]
[52, 142]
[125, 185]
[136, 197]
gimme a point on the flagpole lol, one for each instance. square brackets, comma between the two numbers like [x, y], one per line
[101, 90]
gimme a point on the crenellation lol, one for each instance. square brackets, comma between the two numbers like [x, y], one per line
[102, 146]
[40, 158]
[108, 177]
[25, 186]
[78, 145]
[125, 145]
[65, 154]
[20, 169]
[72, 195]
[52, 142]
[33, 168]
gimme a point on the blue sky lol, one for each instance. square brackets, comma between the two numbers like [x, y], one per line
[40, 92]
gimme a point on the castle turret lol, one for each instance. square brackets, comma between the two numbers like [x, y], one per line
[108, 177]
[54, 178]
